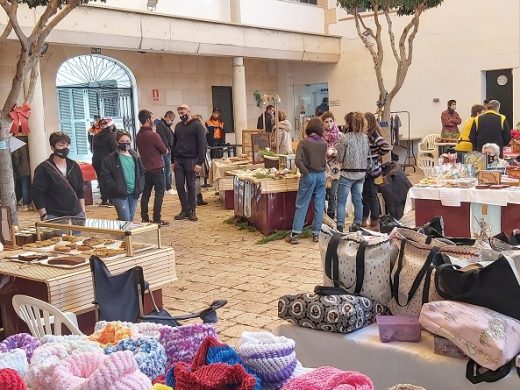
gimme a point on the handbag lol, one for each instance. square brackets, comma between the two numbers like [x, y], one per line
[411, 276]
[359, 264]
[330, 309]
[495, 286]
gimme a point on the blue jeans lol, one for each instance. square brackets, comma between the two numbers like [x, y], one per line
[25, 184]
[333, 196]
[125, 207]
[345, 187]
[167, 158]
[311, 184]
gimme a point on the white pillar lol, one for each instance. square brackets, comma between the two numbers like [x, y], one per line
[39, 149]
[239, 98]
[234, 7]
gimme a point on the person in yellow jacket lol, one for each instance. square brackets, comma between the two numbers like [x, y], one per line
[464, 144]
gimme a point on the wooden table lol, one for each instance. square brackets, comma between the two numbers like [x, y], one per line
[71, 289]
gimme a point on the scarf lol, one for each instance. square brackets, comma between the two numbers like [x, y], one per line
[331, 136]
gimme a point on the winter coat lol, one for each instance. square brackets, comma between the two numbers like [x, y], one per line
[394, 189]
[103, 144]
[282, 135]
[113, 178]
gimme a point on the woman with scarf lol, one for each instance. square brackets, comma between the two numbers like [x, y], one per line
[282, 134]
[332, 135]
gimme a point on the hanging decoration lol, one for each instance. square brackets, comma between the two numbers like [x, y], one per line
[20, 116]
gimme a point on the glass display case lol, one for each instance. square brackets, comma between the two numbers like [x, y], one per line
[126, 229]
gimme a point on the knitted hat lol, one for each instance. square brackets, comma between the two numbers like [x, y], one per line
[11, 380]
[16, 360]
[148, 353]
[112, 332]
[270, 357]
[94, 371]
[406, 387]
[23, 341]
[160, 386]
[330, 378]
[181, 343]
[47, 356]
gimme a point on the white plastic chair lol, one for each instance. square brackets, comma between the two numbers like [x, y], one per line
[427, 165]
[42, 318]
[428, 146]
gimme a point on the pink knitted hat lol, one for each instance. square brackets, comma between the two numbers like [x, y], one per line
[330, 378]
[91, 371]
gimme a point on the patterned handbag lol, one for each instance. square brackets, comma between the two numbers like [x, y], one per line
[330, 309]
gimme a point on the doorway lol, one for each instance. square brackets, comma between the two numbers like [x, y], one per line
[93, 85]
[499, 86]
[222, 98]
[306, 98]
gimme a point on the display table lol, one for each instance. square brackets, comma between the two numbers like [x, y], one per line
[89, 174]
[454, 205]
[71, 289]
[386, 364]
[268, 205]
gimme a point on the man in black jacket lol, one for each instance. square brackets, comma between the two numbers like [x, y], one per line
[164, 129]
[188, 154]
[269, 115]
[57, 189]
[103, 144]
[490, 128]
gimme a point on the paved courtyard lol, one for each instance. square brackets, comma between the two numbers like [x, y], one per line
[215, 260]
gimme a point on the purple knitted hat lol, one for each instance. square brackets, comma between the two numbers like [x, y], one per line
[181, 343]
[23, 341]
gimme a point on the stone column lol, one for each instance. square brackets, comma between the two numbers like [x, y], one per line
[234, 7]
[239, 98]
[39, 149]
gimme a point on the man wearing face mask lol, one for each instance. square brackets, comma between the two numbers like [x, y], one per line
[164, 129]
[450, 120]
[57, 188]
[188, 154]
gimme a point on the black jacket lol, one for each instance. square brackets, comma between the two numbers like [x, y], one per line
[103, 144]
[50, 191]
[113, 178]
[190, 141]
[268, 121]
[166, 134]
[394, 189]
[490, 127]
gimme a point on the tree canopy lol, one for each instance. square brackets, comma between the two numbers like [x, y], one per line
[403, 7]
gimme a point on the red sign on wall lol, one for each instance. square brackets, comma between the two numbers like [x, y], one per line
[155, 95]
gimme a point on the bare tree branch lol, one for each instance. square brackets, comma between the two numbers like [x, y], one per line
[59, 17]
[391, 34]
[11, 9]
[35, 72]
[365, 27]
[6, 33]
[379, 43]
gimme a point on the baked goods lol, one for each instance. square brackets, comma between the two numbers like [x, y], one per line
[135, 246]
[32, 257]
[104, 252]
[93, 241]
[72, 245]
[62, 248]
[70, 238]
[54, 239]
[110, 242]
[67, 260]
[83, 248]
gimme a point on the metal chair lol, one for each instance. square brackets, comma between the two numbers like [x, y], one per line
[121, 298]
[427, 165]
[42, 318]
[428, 146]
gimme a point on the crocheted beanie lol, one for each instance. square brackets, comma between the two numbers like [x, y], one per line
[110, 333]
[11, 380]
[15, 359]
[214, 376]
[23, 341]
[148, 353]
[406, 387]
[90, 371]
[47, 356]
[330, 378]
[270, 357]
[181, 343]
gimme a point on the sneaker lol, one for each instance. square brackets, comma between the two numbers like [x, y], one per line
[171, 191]
[182, 215]
[292, 239]
[331, 214]
[163, 223]
[354, 227]
[110, 204]
[315, 238]
[364, 223]
[200, 201]
[104, 203]
[192, 216]
[145, 220]
[339, 229]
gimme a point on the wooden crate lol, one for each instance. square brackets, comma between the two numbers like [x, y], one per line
[247, 147]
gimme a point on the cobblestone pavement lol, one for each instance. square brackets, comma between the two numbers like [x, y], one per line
[215, 260]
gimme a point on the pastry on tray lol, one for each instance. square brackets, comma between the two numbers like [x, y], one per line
[72, 245]
[104, 252]
[62, 248]
[70, 238]
[134, 245]
[83, 248]
[67, 260]
[93, 241]
[54, 239]
[32, 257]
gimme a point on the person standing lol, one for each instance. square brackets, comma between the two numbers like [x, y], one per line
[269, 115]
[151, 148]
[332, 136]
[189, 153]
[352, 154]
[490, 127]
[323, 107]
[215, 133]
[450, 120]
[378, 148]
[58, 187]
[164, 129]
[103, 144]
[283, 134]
[123, 175]
[94, 129]
[22, 173]
[464, 144]
[310, 160]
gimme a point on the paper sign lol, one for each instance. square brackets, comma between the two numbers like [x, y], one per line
[449, 197]
[15, 144]
[155, 95]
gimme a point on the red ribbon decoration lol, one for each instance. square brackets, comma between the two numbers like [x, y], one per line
[20, 116]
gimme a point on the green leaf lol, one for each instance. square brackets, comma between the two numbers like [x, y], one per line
[38, 3]
[404, 7]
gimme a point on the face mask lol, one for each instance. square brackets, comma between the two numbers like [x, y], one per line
[123, 146]
[62, 153]
[184, 117]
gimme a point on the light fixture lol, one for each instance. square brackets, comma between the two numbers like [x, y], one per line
[151, 5]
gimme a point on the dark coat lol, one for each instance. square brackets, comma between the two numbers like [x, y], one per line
[113, 178]
[103, 144]
[268, 121]
[394, 189]
[490, 127]
[166, 133]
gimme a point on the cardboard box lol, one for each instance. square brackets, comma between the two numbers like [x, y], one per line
[489, 177]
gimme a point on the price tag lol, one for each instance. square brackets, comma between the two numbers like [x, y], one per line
[3, 145]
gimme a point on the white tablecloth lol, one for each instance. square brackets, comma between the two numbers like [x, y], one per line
[450, 196]
[386, 364]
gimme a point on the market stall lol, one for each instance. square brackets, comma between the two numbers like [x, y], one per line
[57, 270]
[267, 198]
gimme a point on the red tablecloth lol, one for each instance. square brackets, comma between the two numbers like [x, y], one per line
[88, 171]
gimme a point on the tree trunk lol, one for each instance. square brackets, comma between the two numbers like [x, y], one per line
[7, 193]
[386, 129]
